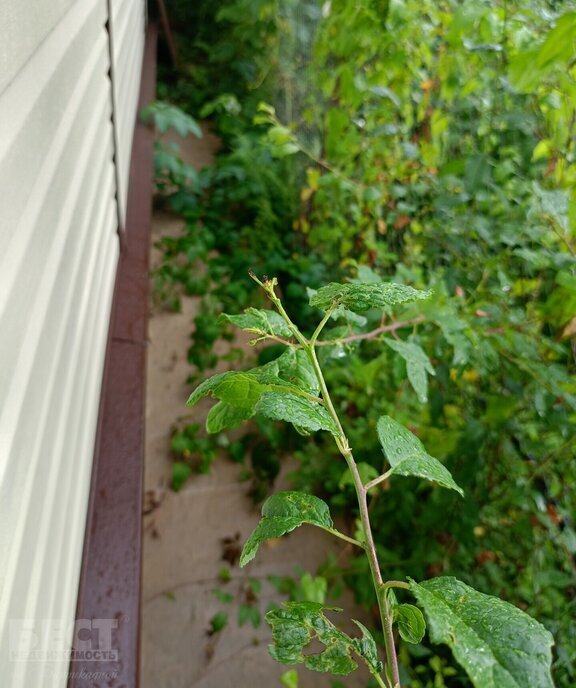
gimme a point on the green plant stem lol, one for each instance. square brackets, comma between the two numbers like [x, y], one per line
[361, 496]
[380, 680]
[268, 286]
[274, 338]
[346, 538]
[396, 584]
[378, 480]
[361, 492]
[320, 327]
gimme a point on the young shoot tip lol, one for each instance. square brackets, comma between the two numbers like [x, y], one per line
[253, 276]
[266, 283]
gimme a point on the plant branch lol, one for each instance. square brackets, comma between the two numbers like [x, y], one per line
[563, 238]
[340, 535]
[373, 333]
[343, 446]
[378, 480]
[268, 286]
[396, 584]
[320, 327]
[266, 337]
[361, 491]
[379, 680]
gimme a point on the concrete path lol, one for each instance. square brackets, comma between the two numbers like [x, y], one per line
[186, 534]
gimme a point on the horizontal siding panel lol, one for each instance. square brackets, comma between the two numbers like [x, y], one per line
[58, 229]
[127, 114]
[50, 204]
[62, 563]
[40, 126]
[127, 28]
[122, 15]
[90, 375]
[47, 261]
[57, 425]
[23, 26]
[45, 575]
[72, 558]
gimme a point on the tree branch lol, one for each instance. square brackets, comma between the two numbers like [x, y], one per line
[374, 333]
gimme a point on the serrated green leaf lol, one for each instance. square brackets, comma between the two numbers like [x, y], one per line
[453, 328]
[289, 679]
[350, 317]
[362, 297]
[367, 275]
[407, 456]
[281, 514]
[180, 473]
[166, 116]
[334, 660]
[255, 585]
[295, 367]
[555, 204]
[298, 623]
[366, 648]
[239, 393]
[392, 601]
[291, 372]
[269, 373]
[292, 368]
[259, 321]
[237, 389]
[417, 365]
[223, 416]
[249, 613]
[312, 589]
[498, 645]
[297, 410]
[218, 621]
[221, 596]
[411, 624]
[558, 48]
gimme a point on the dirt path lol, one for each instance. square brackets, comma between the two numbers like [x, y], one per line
[184, 533]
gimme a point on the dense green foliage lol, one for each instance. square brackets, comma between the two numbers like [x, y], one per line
[498, 645]
[430, 143]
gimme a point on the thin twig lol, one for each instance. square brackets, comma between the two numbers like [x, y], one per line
[378, 480]
[554, 227]
[396, 584]
[346, 538]
[286, 342]
[374, 333]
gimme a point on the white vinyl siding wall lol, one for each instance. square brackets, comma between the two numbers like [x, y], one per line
[127, 24]
[58, 258]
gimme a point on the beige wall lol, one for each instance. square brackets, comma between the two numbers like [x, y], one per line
[58, 255]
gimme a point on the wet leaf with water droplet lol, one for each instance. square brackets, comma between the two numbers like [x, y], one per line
[301, 412]
[298, 623]
[281, 514]
[411, 624]
[498, 644]
[361, 297]
[259, 321]
[407, 456]
[417, 365]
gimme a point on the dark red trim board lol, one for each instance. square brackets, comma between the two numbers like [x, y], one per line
[109, 593]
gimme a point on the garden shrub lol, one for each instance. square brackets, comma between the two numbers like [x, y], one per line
[429, 144]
